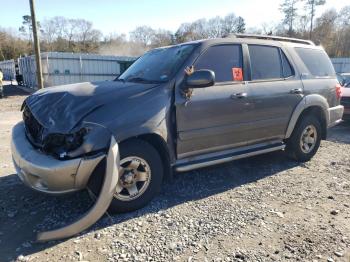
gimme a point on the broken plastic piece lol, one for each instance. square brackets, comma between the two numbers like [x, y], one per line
[101, 205]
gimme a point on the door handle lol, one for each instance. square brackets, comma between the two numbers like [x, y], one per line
[296, 91]
[239, 95]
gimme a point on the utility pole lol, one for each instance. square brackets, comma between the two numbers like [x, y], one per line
[312, 18]
[36, 46]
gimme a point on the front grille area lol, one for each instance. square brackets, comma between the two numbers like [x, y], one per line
[33, 128]
[54, 144]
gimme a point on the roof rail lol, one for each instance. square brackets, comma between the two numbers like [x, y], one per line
[270, 37]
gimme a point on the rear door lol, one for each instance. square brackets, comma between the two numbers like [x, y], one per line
[216, 117]
[275, 91]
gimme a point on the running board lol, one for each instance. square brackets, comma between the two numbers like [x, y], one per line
[219, 159]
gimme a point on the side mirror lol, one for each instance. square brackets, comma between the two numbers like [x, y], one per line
[200, 79]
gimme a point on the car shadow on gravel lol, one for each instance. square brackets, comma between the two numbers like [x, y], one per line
[340, 133]
[25, 212]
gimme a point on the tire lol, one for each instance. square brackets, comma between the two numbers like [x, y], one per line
[296, 145]
[150, 163]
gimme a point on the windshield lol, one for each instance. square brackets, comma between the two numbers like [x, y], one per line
[157, 65]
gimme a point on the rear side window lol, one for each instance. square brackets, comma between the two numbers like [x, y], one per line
[316, 61]
[224, 60]
[265, 62]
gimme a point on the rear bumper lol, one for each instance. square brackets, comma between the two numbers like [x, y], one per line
[335, 115]
[45, 173]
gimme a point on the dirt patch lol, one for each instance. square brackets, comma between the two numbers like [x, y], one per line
[265, 208]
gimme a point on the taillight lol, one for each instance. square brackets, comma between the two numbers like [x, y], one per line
[338, 91]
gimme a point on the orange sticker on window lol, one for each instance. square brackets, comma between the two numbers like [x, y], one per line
[237, 74]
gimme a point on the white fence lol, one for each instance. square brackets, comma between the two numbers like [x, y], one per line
[67, 68]
[8, 69]
[341, 65]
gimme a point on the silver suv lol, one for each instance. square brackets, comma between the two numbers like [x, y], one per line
[177, 108]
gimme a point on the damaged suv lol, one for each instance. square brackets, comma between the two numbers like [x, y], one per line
[178, 108]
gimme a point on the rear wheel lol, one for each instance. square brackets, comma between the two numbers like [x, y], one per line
[140, 177]
[305, 139]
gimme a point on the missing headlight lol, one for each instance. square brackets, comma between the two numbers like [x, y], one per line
[59, 144]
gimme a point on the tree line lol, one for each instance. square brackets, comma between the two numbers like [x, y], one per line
[331, 29]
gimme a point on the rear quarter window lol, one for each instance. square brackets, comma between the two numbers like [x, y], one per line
[287, 68]
[316, 61]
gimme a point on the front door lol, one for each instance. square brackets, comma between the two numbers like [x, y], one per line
[217, 117]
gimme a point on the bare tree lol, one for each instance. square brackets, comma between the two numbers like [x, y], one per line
[215, 27]
[289, 10]
[212, 28]
[302, 25]
[229, 24]
[344, 16]
[199, 29]
[52, 30]
[70, 31]
[12, 46]
[325, 31]
[343, 32]
[311, 5]
[86, 35]
[73, 35]
[143, 34]
[162, 38]
[185, 33]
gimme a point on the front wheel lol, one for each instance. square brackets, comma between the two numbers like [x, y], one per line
[140, 177]
[305, 139]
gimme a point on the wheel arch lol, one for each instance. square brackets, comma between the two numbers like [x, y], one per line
[315, 105]
[158, 142]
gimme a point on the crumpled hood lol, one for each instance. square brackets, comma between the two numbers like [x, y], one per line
[60, 109]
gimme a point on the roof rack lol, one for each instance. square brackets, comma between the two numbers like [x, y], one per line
[270, 37]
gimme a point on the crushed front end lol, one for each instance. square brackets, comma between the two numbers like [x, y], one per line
[59, 163]
[54, 163]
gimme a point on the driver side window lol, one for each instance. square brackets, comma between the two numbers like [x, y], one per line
[225, 60]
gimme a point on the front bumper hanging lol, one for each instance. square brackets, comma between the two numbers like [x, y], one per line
[101, 205]
[46, 174]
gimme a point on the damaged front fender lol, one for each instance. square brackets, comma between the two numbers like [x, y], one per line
[95, 140]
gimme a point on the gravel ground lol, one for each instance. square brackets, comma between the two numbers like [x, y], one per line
[265, 208]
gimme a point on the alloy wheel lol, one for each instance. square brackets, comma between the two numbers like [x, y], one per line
[308, 139]
[135, 176]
